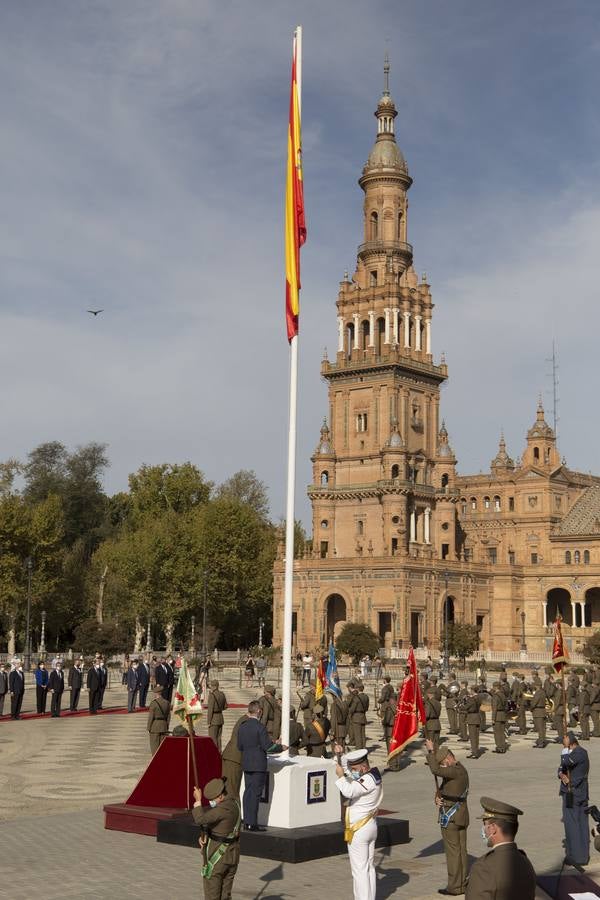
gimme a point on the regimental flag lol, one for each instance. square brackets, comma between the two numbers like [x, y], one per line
[321, 679]
[187, 704]
[409, 711]
[295, 225]
[560, 654]
[331, 676]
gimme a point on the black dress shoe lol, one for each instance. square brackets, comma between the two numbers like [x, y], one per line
[254, 828]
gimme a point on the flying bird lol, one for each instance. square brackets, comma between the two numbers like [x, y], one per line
[94, 312]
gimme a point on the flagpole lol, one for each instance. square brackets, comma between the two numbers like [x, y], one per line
[291, 489]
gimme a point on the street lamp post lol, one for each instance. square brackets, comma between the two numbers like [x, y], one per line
[260, 632]
[29, 564]
[523, 644]
[204, 612]
[446, 653]
[193, 632]
[148, 636]
[43, 635]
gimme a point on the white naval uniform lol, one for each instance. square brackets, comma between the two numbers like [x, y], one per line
[364, 796]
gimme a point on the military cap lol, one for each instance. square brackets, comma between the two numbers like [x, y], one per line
[214, 788]
[516, 675]
[180, 731]
[357, 756]
[270, 689]
[157, 688]
[496, 685]
[441, 753]
[496, 809]
[214, 684]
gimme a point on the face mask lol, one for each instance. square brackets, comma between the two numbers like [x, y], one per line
[484, 836]
[355, 776]
[212, 803]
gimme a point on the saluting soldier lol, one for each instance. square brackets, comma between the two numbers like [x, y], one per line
[357, 714]
[504, 873]
[583, 702]
[159, 713]
[339, 719]
[433, 708]
[307, 701]
[473, 720]
[451, 801]
[220, 840]
[452, 691]
[499, 716]
[217, 704]
[538, 711]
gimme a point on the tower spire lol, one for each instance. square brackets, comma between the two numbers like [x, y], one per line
[386, 74]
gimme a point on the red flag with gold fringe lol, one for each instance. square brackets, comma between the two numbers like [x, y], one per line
[560, 654]
[409, 711]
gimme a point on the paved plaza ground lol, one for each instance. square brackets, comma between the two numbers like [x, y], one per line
[55, 776]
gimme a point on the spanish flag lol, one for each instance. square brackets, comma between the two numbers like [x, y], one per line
[295, 226]
[560, 654]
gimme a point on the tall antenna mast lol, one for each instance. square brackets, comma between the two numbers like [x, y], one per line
[553, 360]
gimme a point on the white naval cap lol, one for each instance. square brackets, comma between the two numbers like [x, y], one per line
[356, 757]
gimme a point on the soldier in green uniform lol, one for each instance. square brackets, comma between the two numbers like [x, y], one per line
[339, 719]
[538, 711]
[504, 873]
[558, 721]
[297, 736]
[473, 721]
[451, 801]
[216, 705]
[517, 690]
[499, 716]
[220, 838]
[159, 713]
[433, 708]
[595, 706]
[389, 716]
[307, 701]
[583, 702]
[270, 712]
[387, 692]
[357, 714]
[452, 691]
[232, 760]
[461, 711]
[316, 732]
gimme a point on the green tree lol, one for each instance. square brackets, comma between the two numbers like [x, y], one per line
[357, 640]
[108, 638]
[176, 488]
[245, 487]
[463, 639]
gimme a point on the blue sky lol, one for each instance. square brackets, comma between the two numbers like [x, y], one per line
[142, 163]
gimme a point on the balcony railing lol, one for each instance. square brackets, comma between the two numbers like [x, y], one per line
[385, 247]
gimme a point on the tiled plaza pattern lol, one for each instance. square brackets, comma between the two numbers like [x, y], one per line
[56, 775]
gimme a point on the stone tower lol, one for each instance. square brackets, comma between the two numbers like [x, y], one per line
[383, 461]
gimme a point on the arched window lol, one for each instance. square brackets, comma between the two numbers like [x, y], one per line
[567, 557]
[395, 471]
[349, 339]
[463, 506]
[577, 557]
[486, 502]
[365, 328]
[536, 453]
[445, 480]
[497, 504]
[473, 503]
[379, 336]
[374, 227]
[360, 526]
[324, 523]
[586, 557]
[324, 477]
[547, 455]
[399, 226]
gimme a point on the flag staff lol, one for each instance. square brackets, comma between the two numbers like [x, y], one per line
[291, 477]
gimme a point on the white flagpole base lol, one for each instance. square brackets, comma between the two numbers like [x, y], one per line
[300, 792]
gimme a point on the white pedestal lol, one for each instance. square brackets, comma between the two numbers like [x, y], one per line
[300, 791]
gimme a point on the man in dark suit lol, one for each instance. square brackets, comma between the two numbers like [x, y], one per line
[253, 741]
[164, 676]
[94, 686]
[143, 682]
[56, 687]
[573, 775]
[75, 683]
[16, 686]
[133, 683]
[103, 680]
[3, 686]
[170, 667]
